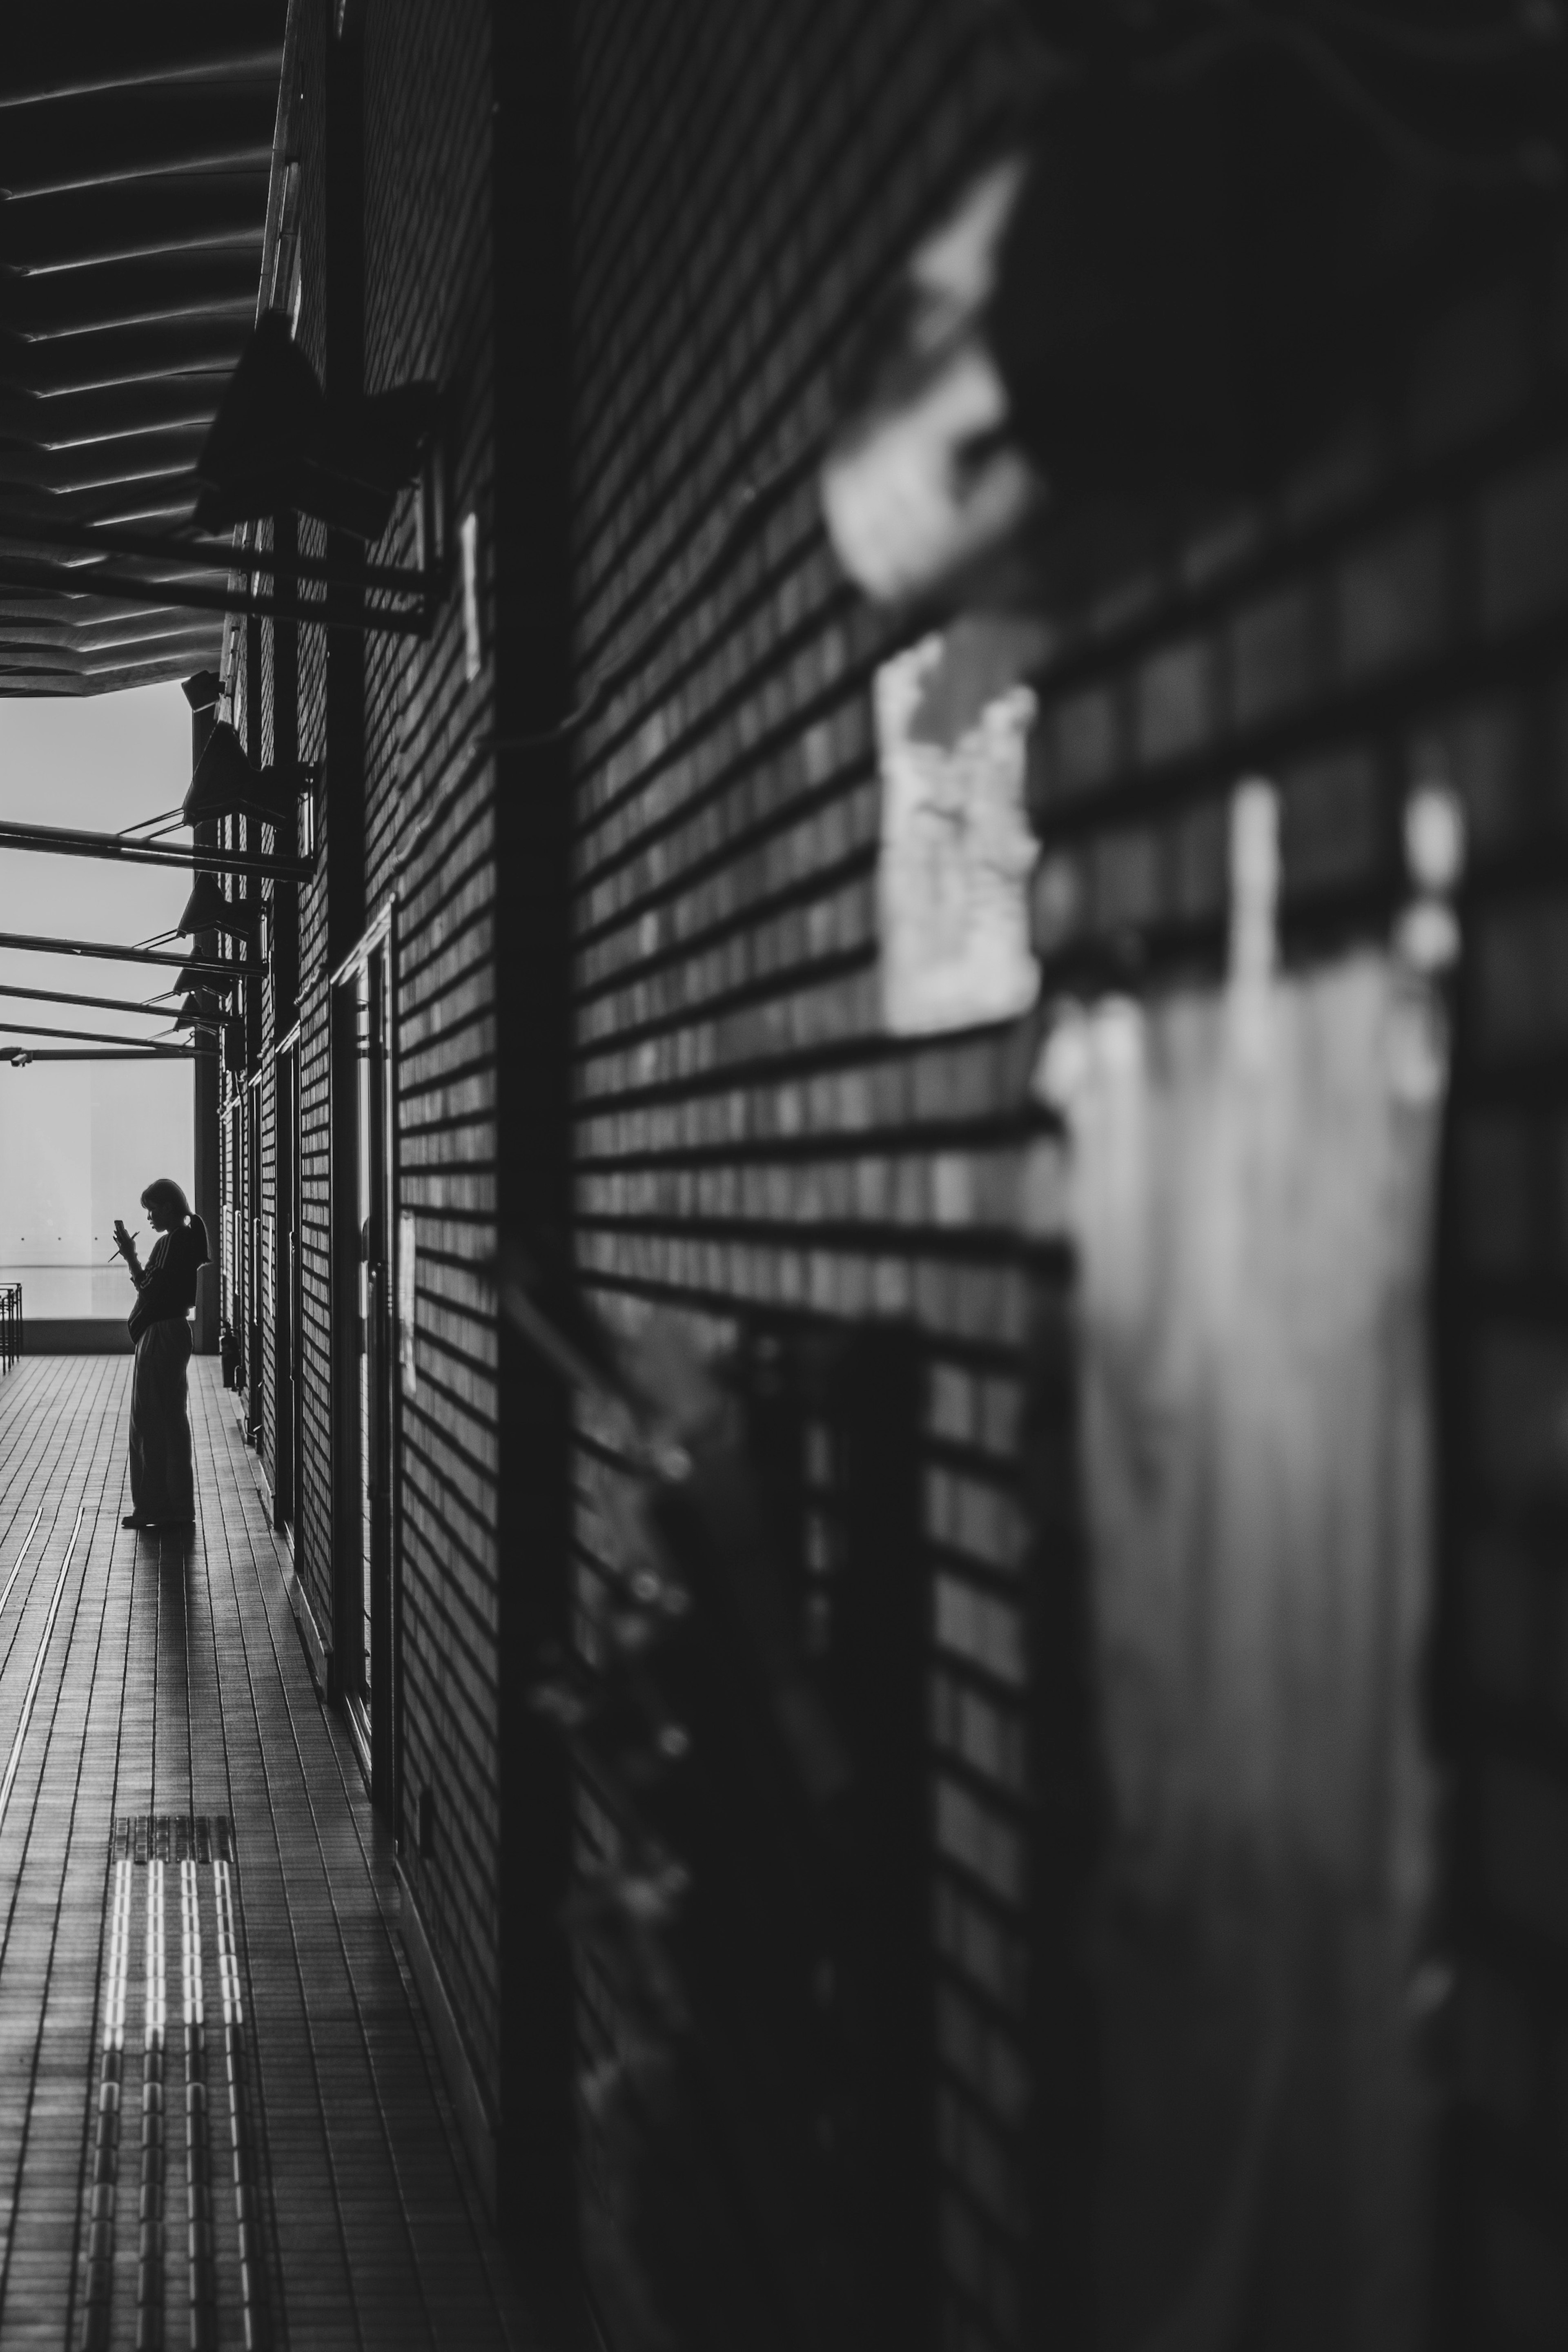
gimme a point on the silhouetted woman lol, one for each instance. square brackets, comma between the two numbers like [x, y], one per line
[162, 1489]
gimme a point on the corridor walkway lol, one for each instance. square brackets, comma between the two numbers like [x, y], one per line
[183, 1833]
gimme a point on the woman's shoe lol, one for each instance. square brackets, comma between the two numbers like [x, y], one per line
[136, 1520]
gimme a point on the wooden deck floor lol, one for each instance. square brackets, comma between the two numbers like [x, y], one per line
[142, 1679]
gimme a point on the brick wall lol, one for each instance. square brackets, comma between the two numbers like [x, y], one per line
[1395, 616]
[426, 313]
[748, 1141]
[429, 314]
[314, 1510]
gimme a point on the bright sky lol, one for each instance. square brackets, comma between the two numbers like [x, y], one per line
[79, 1141]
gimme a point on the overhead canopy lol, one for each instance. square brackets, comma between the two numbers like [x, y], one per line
[136, 152]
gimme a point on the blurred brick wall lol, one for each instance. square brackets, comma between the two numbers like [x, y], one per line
[747, 1140]
[1397, 615]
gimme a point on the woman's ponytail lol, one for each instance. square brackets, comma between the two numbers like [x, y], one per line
[199, 1229]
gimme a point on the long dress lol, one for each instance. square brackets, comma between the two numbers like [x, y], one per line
[1252, 1181]
[163, 1482]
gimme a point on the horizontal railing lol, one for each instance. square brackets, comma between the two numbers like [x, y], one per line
[10, 1324]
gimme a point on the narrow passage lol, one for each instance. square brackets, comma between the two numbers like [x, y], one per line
[221, 2116]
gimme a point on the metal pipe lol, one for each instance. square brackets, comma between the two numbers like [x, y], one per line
[100, 1003]
[206, 966]
[210, 555]
[95, 1037]
[228, 162]
[249, 64]
[119, 587]
[65, 841]
[15, 1055]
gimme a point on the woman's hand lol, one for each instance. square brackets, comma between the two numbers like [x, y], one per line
[124, 1243]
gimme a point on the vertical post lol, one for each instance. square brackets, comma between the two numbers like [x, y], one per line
[345, 381]
[342, 847]
[207, 1140]
[880, 1651]
[530, 569]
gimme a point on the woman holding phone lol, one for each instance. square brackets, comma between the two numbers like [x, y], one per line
[163, 1487]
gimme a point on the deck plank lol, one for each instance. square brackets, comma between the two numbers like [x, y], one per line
[172, 1682]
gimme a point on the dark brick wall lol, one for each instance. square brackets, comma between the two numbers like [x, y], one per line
[747, 1140]
[1397, 615]
[429, 836]
[314, 1506]
[427, 300]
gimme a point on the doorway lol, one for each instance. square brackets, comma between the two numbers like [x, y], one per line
[286, 1261]
[255, 1380]
[233, 1230]
[364, 1223]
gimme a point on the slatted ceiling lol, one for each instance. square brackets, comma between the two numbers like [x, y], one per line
[137, 161]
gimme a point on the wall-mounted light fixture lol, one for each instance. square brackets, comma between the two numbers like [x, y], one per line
[222, 978]
[202, 1011]
[206, 910]
[279, 442]
[225, 782]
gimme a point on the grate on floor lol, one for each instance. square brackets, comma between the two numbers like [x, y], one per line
[175, 2208]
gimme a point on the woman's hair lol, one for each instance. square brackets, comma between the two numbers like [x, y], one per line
[164, 1193]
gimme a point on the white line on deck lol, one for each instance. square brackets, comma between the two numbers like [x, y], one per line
[16, 1756]
[21, 1556]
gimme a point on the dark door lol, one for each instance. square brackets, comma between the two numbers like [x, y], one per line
[285, 1275]
[241, 1317]
[252, 1339]
[233, 1230]
[364, 1597]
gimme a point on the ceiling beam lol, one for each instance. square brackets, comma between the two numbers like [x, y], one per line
[239, 239]
[240, 65]
[95, 1037]
[244, 155]
[167, 314]
[216, 371]
[206, 554]
[189, 420]
[97, 1004]
[207, 966]
[69, 841]
[20, 572]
